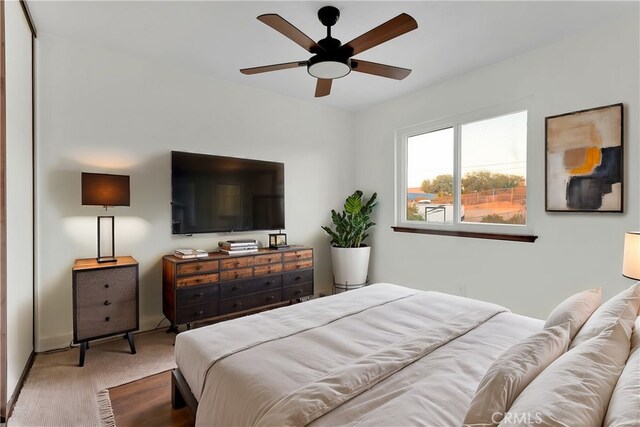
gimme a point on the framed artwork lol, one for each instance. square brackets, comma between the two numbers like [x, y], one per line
[584, 161]
[278, 240]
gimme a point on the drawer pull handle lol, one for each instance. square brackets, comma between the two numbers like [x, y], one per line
[198, 280]
[236, 275]
[236, 288]
[201, 294]
[270, 282]
[198, 267]
[106, 286]
[298, 277]
[238, 304]
[298, 256]
[107, 302]
[298, 292]
[270, 298]
[106, 319]
[199, 313]
[236, 264]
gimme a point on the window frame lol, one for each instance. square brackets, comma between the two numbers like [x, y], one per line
[460, 229]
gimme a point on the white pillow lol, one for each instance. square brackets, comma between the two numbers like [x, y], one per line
[576, 388]
[624, 407]
[576, 310]
[635, 335]
[623, 307]
[512, 372]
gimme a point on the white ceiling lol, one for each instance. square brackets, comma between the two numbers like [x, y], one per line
[453, 37]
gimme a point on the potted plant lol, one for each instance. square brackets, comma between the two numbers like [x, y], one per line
[349, 255]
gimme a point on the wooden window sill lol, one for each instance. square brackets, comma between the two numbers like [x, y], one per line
[528, 238]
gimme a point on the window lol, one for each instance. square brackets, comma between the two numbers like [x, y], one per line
[464, 173]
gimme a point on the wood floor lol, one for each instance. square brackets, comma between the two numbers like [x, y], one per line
[147, 402]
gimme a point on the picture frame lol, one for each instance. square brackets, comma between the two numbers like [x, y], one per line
[278, 241]
[584, 160]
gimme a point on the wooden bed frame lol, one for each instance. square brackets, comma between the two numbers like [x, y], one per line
[181, 394]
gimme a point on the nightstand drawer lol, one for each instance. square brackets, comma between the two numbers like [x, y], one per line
[236, 274]
[298, 265]
[94, 287]
[100, 320]
[197, 295]
[267, 259]
[298, 277]
[245, 287]
[197, 267]
[296, 255]
[298, 291]
[236, 262]
[245, 303]
[267, 269]
[194, 313]
[201, 279]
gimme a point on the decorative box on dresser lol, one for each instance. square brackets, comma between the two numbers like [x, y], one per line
[105, 300]
[223, 285]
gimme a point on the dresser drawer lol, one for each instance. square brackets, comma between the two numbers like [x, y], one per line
[197, 267]
[298, 265]
[245, 287]
[267, 259]
[245, 303]
[99, 320]
[201, 279]
[197, 295]
[267, 269]
[241, 262]
[194, 313]
[298, 291]
[296, 255]
[240, 273]
[298, 277]
[94, 287]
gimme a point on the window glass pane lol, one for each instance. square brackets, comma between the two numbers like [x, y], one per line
[494, 166]
[430, 177]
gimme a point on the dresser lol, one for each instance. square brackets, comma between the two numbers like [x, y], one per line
[105, 301]
[224, 285]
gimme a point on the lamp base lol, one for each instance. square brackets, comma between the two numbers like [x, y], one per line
[106, 259]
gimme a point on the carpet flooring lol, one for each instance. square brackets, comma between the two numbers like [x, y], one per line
[59, 393]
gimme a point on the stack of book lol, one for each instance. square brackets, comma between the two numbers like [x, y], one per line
[235, 247]
[190, 253]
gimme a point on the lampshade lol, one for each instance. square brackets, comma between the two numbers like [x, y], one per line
[105, 190]
[631, 260]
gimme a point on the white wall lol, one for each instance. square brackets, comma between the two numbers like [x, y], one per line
[102, 111]
[19, 169]
[574, 251]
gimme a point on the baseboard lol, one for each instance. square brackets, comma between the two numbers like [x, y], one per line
[18, 389]
[58, 342]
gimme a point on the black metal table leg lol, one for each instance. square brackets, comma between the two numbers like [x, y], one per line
[173, 328]
[132, 343]
[83, 347]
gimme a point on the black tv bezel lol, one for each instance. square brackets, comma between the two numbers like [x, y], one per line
[190, 233]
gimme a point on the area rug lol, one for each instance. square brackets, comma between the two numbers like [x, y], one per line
[59, 393]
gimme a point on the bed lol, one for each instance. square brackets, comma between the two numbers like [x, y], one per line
[380, 355]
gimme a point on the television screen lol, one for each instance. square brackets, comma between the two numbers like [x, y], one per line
[218, 194]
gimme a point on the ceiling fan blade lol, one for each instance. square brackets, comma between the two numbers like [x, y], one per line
[379, 69]
[323, 87]
[287, 29]
[274, 67]
[393, 28]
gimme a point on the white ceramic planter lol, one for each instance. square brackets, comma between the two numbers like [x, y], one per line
[350, 265]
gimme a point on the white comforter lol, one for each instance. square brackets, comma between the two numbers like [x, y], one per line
[381, 355]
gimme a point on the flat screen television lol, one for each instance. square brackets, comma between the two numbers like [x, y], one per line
[221, 194]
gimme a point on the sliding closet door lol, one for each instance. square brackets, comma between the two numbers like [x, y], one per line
[18, 196]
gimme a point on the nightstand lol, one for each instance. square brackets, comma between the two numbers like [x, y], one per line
[105, 301]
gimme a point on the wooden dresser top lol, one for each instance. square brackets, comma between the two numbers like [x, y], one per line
[220, 255]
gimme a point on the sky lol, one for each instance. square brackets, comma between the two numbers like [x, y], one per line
[498, 145]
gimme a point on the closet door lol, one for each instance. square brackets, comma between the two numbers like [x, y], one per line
[16, 201]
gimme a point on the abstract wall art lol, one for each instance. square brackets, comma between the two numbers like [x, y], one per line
[584, 161]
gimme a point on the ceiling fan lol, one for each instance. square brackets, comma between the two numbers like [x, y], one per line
[331, 59]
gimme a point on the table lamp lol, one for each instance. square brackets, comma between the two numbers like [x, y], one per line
[105, 190]
[631, 258]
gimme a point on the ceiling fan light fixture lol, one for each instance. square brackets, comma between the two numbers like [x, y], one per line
[330, 69]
